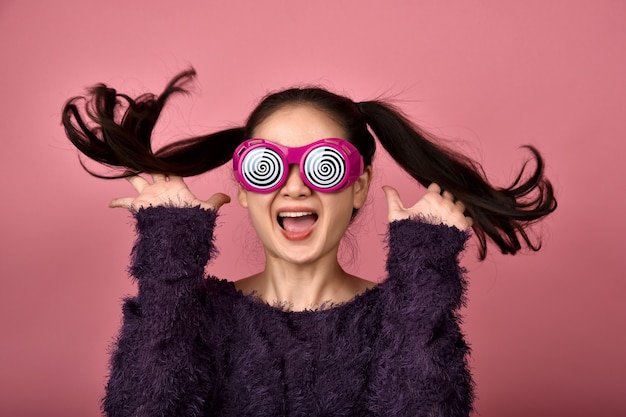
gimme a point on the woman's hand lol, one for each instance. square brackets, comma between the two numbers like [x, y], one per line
[434, 207]
[165, 191]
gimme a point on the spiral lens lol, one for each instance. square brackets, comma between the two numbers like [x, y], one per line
[325, 167]
[262, 168]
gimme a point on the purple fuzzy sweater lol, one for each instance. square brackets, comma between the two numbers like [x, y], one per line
[192, 345]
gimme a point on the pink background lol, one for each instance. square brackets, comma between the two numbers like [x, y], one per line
[548, 329]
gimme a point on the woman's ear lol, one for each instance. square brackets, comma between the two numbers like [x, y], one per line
[361, 187]
[242, 196]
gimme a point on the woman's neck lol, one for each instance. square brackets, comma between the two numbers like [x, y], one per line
[300, 287]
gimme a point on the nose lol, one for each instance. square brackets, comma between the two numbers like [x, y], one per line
[294, 186]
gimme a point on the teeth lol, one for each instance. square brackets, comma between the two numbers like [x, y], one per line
[295, 214]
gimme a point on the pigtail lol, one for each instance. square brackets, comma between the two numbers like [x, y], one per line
[116, 130]
[501, 214]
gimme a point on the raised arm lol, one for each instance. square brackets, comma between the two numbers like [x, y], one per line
[421, 367]
[160, 365]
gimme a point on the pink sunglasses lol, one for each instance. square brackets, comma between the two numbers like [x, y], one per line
[326, 165]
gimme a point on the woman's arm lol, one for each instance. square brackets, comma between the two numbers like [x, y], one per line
[421, 357]
[161, 364]
[421, 366]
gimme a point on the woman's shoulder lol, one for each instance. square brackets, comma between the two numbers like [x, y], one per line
[217, 287]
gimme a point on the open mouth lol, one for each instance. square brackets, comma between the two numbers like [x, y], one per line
[297, 222]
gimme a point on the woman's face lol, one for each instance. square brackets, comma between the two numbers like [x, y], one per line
[295, 223]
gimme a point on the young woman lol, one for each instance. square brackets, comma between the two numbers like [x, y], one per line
[302, 337]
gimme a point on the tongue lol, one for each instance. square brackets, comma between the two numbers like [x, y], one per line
[298, 224]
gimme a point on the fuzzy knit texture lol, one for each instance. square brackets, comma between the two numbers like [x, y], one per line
[192, 345]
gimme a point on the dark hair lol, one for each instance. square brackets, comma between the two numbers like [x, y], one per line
[118, 130]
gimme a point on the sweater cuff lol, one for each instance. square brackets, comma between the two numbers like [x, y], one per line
[433, 240]
[173, 242]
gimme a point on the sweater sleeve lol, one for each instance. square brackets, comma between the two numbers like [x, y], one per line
[160, 365]
[421, 357]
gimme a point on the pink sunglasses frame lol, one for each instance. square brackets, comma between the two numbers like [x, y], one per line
[289, 156]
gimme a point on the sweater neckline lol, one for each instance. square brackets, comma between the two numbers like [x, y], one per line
[325, 308]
